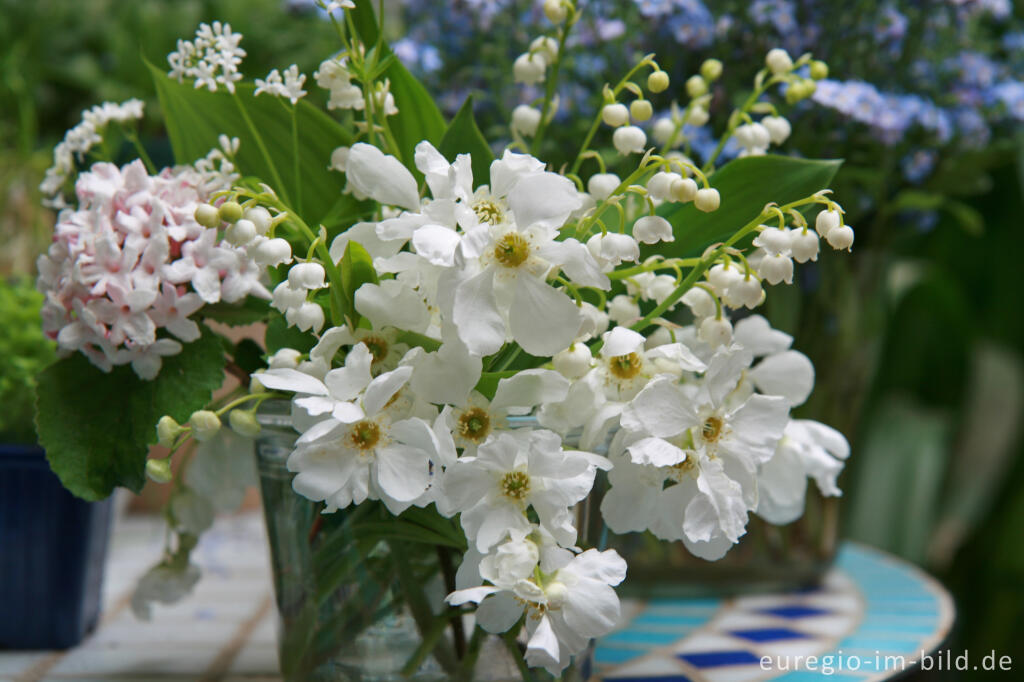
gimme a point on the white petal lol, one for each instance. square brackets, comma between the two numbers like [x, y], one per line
[530, 388]
[678, 354]
[437, 244]
[543, 200]
[498, 613]
[542, 320]
[392, 304]
[660, 410]
[403, 471]
[476, 316]
[345, 383]
[384, 387]
[473, 594]
[789, 374]
[381, 177]
[291, 380]
[365, 234]
[435, 169]
[621, 341]
[509, 169]
[655, 452]
[542, 650]
[756, 335]
[447, 375]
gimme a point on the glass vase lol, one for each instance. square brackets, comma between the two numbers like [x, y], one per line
[360, 594]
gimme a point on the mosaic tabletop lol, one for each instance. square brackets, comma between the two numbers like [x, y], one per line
[873, 612]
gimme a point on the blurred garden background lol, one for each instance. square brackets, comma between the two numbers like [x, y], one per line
[917, 338]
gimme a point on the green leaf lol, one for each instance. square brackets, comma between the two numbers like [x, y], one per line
[196, 117]
[96, 427]
[746, 185]
[418, 117]
[279, 335]
[464, 137]
[356, 270]
[249, 311]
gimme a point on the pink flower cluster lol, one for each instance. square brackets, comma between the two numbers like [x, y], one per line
[130, 265]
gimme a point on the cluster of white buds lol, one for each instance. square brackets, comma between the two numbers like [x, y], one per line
[211, 60]
[629, 138]
[679, 187]
[530, 68]
[290, 86]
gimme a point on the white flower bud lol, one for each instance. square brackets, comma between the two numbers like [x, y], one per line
[804, 246]
[640, 109]
[159, 470]
[658, 81]
[700, 303]
[230, 211]
[778, 128]
[307, 316]
[696, 86]
[546, 47]
[307, 276]
[525, 120]
[205, 424]
[255, 386]
[243, 422]
[528, 69]
[622, 309]
[715, 331]
[285, 358]
[698, 116]
[661, 287]
[752, 136]
[747, 291]
[711, 69]
[241, 233]
[556, 594]
[778, 61]
[629, 140]
[286, 296]
[826, 221]
[663, 130]
[167, 430]
[272, 252]
[615, 114]
[840, 238]
[652, 229]
[722, 276]
[684, 189]
[775, 268]
[207, 215]
[555, 11]
[260, 218]
[573, 362]
[707, 200]
[774, 240]
[614, 248]
[660, 185]
[339, 159]
[601, 185]
[595, 321]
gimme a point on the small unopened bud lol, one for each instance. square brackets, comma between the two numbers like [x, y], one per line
[243, 422]
[307, 276]
[711, 70]
[615, 114]
[698, 116]
[272, 252]
[573, 362]
[159, 470]
[205, 424]
[339, 159]
[660, 185]
[528, 68]
[230, 211]
[601, 185]
[641, 109]
[684, 189]
[167, 430]
[819, 70]
[525, 120]
[623, 309]
[778, 61]
[840, 238]
[658, 81]
[804, 246]
[555, 11]
[663, 130]
[260, 218]
[700, 302]
[255, 386]
[651, 229]
[696, 86]
[241, 233]
[778, 128]
[707, 200]
[629, 140]
[715, 331]
[747, 291]
[826, 221]
[207, 215]
[307, 316]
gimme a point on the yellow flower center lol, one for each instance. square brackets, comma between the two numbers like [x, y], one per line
[711, 429]
[489, 212]
[378, 347]
[516, 485]
[364, 435]
[474, 424]
[513, 250]
[625, 366]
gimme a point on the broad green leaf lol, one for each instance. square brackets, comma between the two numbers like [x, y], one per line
[279, 335]
[418, 117]
[464, 137]
[249, 311]
[356, 270]
[196, 117]
[96, 427]
[746, 186]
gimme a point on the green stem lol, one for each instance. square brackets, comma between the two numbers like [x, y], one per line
[734, 120]
[419, 607]
[279, 184]
[661, 265]
[295, 158]
[134, 138]
[509, 638]
[472, 655]
[552, 84]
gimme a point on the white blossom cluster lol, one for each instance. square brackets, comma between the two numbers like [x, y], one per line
[289, 86]
[334, 76]
[130, 265]
[78, 141]
[211, 60]
[702, 432]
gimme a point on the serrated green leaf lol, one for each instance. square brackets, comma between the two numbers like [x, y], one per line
[356, 267]
[196, 117]
[746, 186]
[96, 427]
[464, 137]
[418, 117]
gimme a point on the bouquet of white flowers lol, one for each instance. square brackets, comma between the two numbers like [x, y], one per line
[468, 341]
